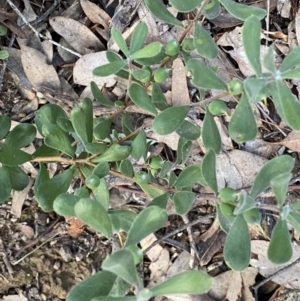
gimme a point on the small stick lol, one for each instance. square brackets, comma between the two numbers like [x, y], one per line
[7, 263]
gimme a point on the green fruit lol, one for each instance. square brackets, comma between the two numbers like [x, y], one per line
[172, 48]
[235, 87]
[228, 195]
[156, 162]
[227, 210]
[136, 252]
[92, 181]
[252, 216]
[161, 74]
[188, 45]
[142, 177]
[217, 107]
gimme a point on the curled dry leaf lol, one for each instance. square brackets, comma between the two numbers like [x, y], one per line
[292, 141]
[76, 34]
[83, 70]
[39, 73]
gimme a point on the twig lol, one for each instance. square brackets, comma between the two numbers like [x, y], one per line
[7, 263]
[180, 229]
[206, 101]
[257, 286]
[37, 33]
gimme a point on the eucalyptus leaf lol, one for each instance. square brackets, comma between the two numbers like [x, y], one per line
[183, 201]
[242, 11]
[291, 60]
[150, 50]
[188, 131]
[189, 282]
[139, 145]
[138, 37]
[110, 68]
[242, 125]
[12, 156]
[169, 120]
[209, 81]
[114, 153]
[118, 38]
[99, 96]
[58, 139]
[204, 43]
[64, 204]
[159, 10]
[185, 6]
[279, 186]
[280, 249]
[5, 184]
[5, 123]
[208, 168]
[48, 190]
[94, 215]
[122, 264]
[190, 175]
[18, 178]
[99, 284]
[252, 28]
[237, 249]
[210, 134]
[140, 97]
[275, 167]
[148, 221]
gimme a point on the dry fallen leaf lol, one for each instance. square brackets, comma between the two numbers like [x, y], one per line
[41, 75]
[26, 230]
[292, 141]
[76, 34]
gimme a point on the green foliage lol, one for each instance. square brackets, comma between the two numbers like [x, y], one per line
[91, 148]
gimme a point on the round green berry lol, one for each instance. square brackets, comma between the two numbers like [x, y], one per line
[142, 177]
[156, 162]
[172, 48]
[188, 45]
[235, 87]
[228, 195]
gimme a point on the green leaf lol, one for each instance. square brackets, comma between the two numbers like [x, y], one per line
[18, 178]
[48, 114]
[139, 145]
[242, 11]
[159, 10]
[279, 186]
[212, 10]
[128, 298]
[280, 248]
[114, 153]
[101, 194]
[101, 170]
[183, 201]
[4, 54]
[110, 68]
[253, 216]
[237, 249]
[185, 6]
[189, 282]
[99, 284]
[169, 120]
[252, 87]
[291, 74]
[122, 264]
[141, 75]
[291, 60]
[225, 221]
[5, 123]
[56, 138]
[97, 93]
[210, 134]
[118, 38]
[275, 167]
[150, 61]
[190, 175]
[3, 30]
[122, 219]
[82, 192]
[65, 124]
[209, 81]
[183, 150]
[138, 37]
[245, 203]
[21, 135]
[48, 190]
[5, 184]
[166, 168]
[82, 120]
[127, 126]
[126, 168]
[188, 131]
[95, 147]
[294, 219]
[269, 60]
[252, 28]
[148, 221]
[204, 43]
[161, 201]
[45, 151]
[94, 215]
[287, 104]
[42, 177]
[158, 97]
[64, 204]
[119, 289]
[102, 129]
[140, 97]
[151, 50]
[242, 125]
[12, 156]
[208, 168]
